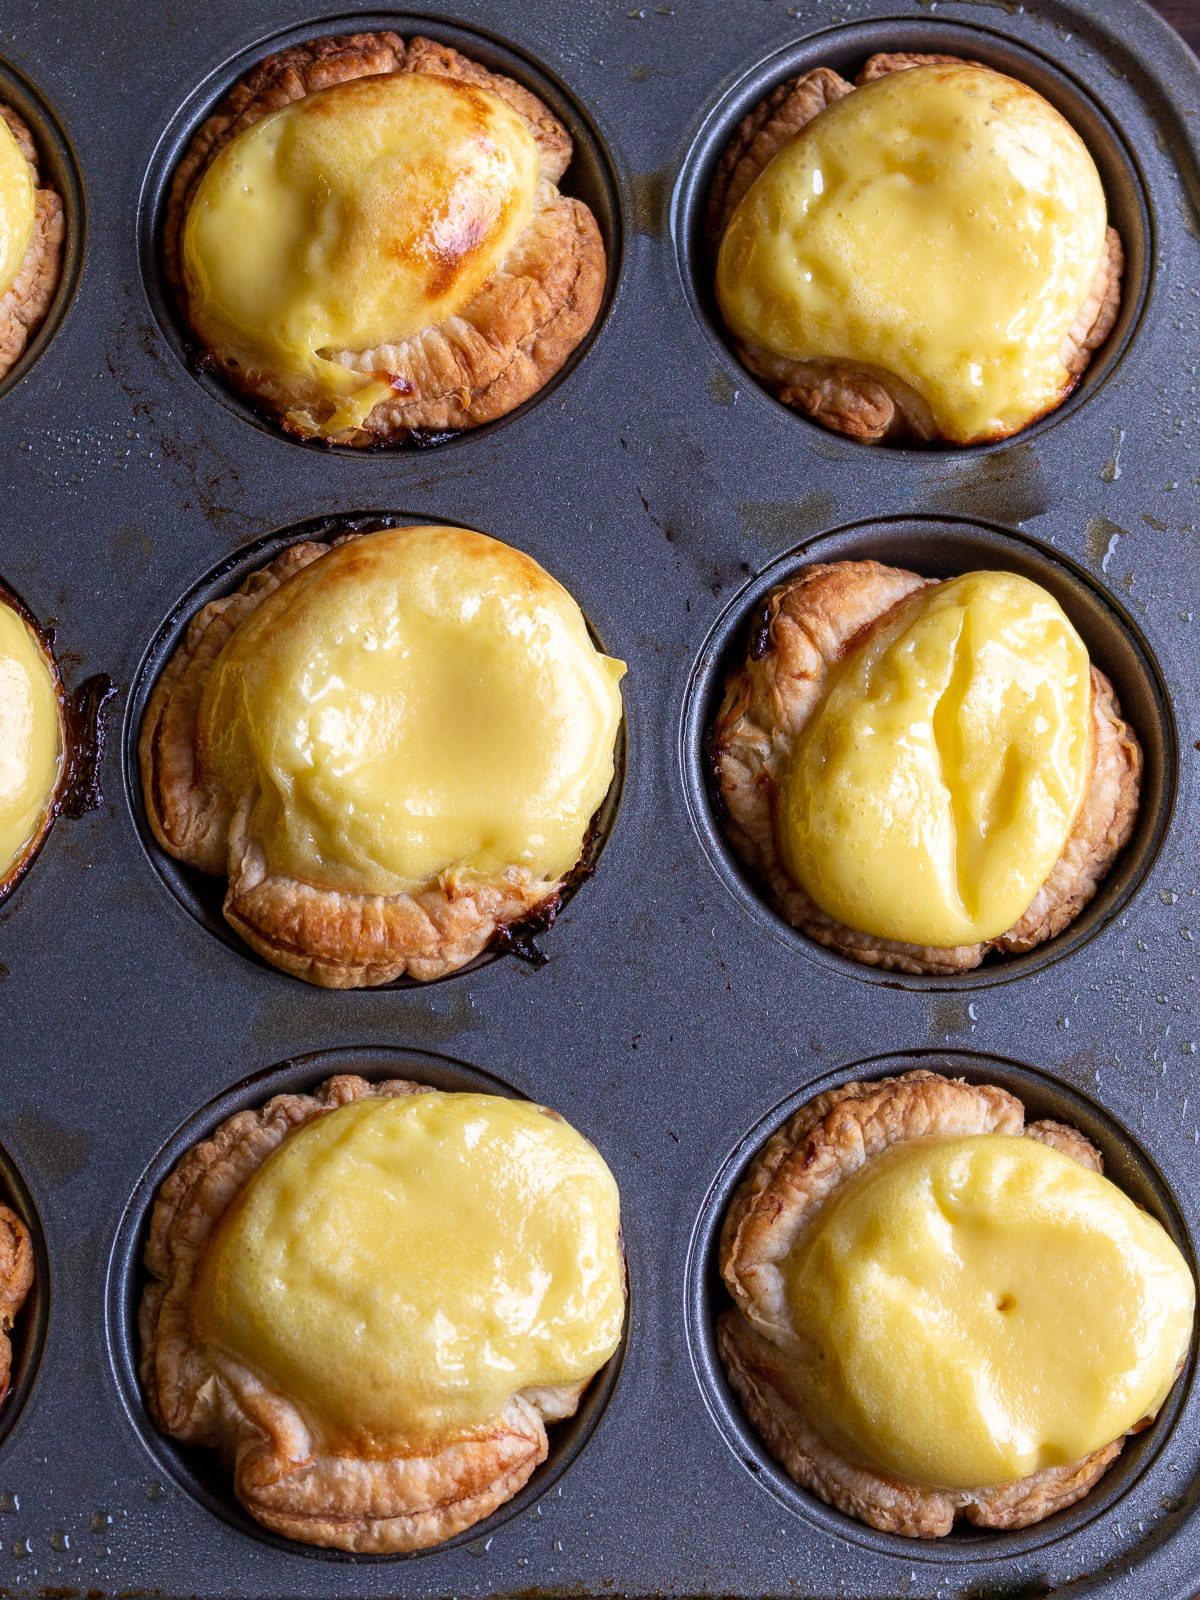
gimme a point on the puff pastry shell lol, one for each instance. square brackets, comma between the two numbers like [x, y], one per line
[331, 937]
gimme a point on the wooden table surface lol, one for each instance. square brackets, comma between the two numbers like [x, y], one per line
[1183, 15]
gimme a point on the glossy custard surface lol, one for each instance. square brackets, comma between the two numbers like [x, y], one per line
[31, 744]
[944, 224]
[934, 789]
[401, 1267]
[976, 1309]
[419, 704]
[18, 200]
[356, 217]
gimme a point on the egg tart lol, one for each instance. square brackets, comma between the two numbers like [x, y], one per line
[392, 745]
[31, 239]
[32, 741]
[921, 773]
[16, 1280]
[941, 1311]
[923, 255]
[372, 1299]
[367, 242]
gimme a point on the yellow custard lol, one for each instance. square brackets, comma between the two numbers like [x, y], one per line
[31, 738]
[421, 703]
[18, 200]
[935, 787]
[353, 218]
[401, 1267]
[972, 1310]
[944, 224]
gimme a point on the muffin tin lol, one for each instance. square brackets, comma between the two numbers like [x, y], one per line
[676, 1020]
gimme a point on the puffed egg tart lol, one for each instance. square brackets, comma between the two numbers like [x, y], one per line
[923, 257]
[941, 1311]
[922, 772]
[31, 239]
[33, 742]
[372, 1299]
[16, 1280]
[366, 240]
[393, 746]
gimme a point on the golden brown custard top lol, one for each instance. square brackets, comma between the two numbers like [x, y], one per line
[944, 224]
[421, 704]
[401, 1267]
[352, 219]
[971, 1310]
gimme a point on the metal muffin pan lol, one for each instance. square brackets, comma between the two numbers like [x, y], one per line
[675, 1019]
[940, 548]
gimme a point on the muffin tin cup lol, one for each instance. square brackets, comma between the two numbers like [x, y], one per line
[845, 49]
[666, 492]
[941, 548]
[590, 178]
[58, 167]
[28, 1335]
[201, 894]
[197, 1471]
[1140, 1470]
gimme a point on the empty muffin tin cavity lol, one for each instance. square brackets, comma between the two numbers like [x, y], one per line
[940, 548]
[58, 168]
[28, 1333]
[590, 177]
[846, 49]
[198, 1471]
[202, 895]
[1138, 1471]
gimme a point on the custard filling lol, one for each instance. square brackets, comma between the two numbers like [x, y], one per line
[18, 201]
[932, 792]
[971, 1310]
[31, 738]
[943, 224]
[420, 705]
[351, 220]
[401, 1267]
